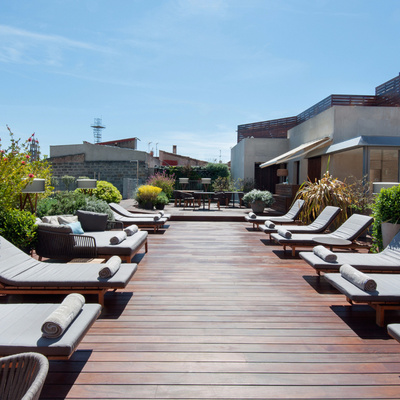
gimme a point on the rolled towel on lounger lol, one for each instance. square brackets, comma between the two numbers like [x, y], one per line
[131, 230]
[269, 224]
[161, 212]
[284, 232]
[118, 237]
[58, 321]
[110, 268]
[157, 217]
[324, 253]
[357, 278]
[252, 215]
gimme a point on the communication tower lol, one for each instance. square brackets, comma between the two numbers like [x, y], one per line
[97, 127]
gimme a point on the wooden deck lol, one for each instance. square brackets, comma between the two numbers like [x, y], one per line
[216, 312]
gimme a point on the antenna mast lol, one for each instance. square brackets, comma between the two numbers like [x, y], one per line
[97, 127]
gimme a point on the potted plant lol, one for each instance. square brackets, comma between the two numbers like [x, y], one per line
[386, 213]
[258, 199]
[146, 196]
[161, 201]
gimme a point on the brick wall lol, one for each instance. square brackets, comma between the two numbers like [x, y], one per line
[110, 171]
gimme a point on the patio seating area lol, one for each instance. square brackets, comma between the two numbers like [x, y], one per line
[218, 311]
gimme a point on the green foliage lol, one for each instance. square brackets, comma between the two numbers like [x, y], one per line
[327, 191]
[99, 206]
[61, 203]
[107, 191]
[211, 170]
[162, 199]
[68, 181]
[19, 228]
[385, 209]
[223, 184]
[17, 169]
[215, 170]
[259, 195]
[69, 202]
[164, 181]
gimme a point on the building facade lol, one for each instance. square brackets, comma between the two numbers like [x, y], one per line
[356, 136]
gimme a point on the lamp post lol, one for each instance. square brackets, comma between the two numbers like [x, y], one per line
[87, 185]
[34, 187]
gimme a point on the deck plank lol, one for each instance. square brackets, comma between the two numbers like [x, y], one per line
[215, 311]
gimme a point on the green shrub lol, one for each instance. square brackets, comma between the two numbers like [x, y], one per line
[99, 206]
[162, 199]
[61, 203]
[108, 192]
[19, 228]
[385, 209]
[68, 181]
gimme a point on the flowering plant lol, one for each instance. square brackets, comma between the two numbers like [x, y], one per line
[147, 194]
[18, 167]
[163, 181]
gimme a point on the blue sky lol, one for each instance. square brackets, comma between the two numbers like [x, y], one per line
[184, 72]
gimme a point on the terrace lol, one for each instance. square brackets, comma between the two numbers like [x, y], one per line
[217, 312]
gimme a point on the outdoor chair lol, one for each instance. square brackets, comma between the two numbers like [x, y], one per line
[90, 239]
[20, 273]
[350, 230]
[22, 376]
[386, 296]
[320, 224]
[387, 260]
[289, 218]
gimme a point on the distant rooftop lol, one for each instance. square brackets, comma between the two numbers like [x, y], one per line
[386, 95]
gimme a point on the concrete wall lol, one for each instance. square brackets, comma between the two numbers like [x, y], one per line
[250, 151]
[94, 152]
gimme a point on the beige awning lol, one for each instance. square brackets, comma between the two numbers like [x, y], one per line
[298, 151]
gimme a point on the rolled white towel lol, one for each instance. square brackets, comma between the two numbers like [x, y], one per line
[284, 232]
[358, 278]
[269, 224]
[131, 230]
[110, 267]
[161, 212]
[118, 237]
[252, 215]
[157, 217]
[59, 320]
[324, 253]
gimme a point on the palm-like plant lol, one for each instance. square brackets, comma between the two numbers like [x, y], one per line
[327, 191]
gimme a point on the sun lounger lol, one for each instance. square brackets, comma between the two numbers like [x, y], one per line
[20, 273]
[289, 218]
[385, 297]
[125, 213]
[394, 331]
[21, 329]
[321, 223]
[143, 222]
[350, 230]
[387, 260]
